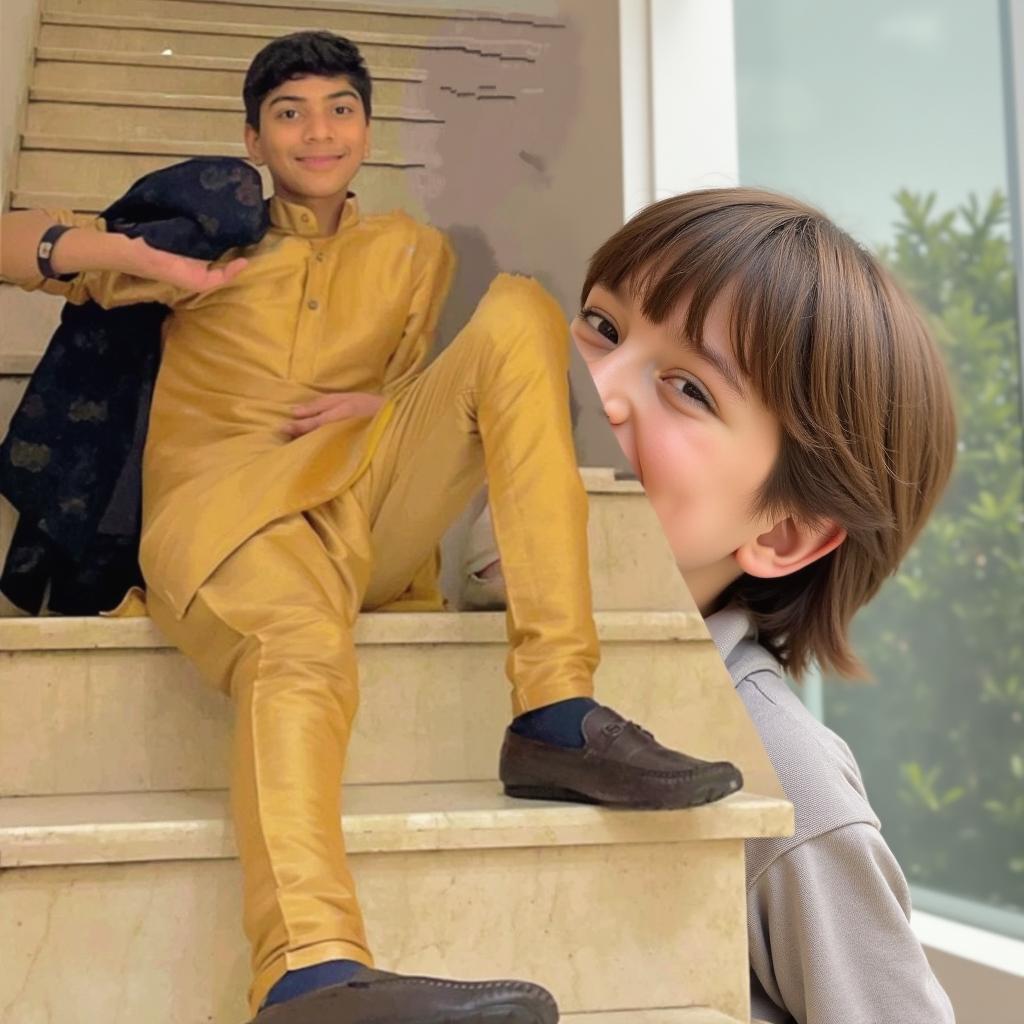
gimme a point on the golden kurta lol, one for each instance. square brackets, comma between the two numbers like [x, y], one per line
[309, 315]
[260, 551]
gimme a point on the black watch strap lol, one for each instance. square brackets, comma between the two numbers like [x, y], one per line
[45, 251]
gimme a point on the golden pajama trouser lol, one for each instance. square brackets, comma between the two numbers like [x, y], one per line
[273, 624]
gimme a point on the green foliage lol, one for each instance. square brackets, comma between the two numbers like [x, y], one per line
[945, 638]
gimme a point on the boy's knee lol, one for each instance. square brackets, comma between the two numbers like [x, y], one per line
[317, 641]
[315, 656]
[520, 313]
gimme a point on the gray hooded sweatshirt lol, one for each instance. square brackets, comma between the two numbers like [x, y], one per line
[828, 908]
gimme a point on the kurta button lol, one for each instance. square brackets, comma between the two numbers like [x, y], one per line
[313, 304]
[319, 257]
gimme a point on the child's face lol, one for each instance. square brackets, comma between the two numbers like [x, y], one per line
[699, 439]
[313, 137]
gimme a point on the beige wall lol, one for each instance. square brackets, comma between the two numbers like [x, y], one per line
[530, 184]
[19, 20]
[534, 184]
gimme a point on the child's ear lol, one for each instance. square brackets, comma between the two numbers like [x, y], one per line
[252, 144]
[787, 547]
[368, 142]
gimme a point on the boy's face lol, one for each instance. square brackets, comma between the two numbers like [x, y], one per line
[313, 137]
[697, 436]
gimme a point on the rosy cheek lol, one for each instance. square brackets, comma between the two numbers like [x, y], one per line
[666, 452]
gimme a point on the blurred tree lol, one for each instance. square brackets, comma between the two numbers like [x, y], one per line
[945, 637]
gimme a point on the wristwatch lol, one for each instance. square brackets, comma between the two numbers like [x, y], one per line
[44, 252]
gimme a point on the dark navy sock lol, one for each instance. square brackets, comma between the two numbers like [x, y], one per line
[559, 724]
[309, 979]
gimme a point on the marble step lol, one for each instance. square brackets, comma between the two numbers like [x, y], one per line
[105, 57]
[134, 117]
[102, 706]
[244, 38]
[337, 15]
[377, 193]
[612, 911]
[125, 828]
[63, 145]
[87, 175]
[47, 158]
[451, 78]
[69, 68]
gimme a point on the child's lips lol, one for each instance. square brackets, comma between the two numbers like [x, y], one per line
[318, 162]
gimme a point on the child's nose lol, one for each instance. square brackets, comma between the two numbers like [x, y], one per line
[319, 128]
[616, 409]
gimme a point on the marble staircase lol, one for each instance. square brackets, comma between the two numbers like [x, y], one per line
[119, 888]
[116, 848]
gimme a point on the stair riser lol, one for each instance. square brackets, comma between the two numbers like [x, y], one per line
[379, 188]
[157, 40]
[142, 720]
[58, 170]
[415, 140]
[73, 75]
[602, 927]
[295, 18]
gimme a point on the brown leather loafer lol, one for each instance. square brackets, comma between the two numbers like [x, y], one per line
[619, 763]
[377, 997]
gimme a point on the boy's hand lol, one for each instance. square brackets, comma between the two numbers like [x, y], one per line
[329, 408]
[84, 249]
[183, 272]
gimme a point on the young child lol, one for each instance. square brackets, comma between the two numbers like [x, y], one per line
[788, 414]
[301, 465]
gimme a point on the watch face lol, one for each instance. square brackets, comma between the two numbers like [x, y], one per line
[45, 248]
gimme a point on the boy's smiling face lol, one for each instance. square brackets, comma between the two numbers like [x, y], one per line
[313, 137]
[698, 437]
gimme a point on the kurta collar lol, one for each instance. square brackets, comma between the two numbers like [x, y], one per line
[296, 219]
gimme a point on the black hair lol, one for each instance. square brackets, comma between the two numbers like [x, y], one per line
[298, 55]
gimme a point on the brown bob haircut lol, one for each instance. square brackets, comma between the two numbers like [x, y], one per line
[842, 357]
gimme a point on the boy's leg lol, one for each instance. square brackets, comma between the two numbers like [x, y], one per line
[273, 627]
[497, 398]
[496, 401]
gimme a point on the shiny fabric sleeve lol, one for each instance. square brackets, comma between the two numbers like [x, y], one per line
[433, 266]
[107, 288]
[830, 935]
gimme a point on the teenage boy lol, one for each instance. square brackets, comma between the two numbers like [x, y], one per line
[301, 465]
[783, 404]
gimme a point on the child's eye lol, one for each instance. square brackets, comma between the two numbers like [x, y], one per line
[691, 391]
[601, 324]
[344, 109]
[288, 114]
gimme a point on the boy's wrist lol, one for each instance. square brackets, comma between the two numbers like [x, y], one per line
[83, 249]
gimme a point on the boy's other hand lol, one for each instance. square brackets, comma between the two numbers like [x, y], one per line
[329, 408]
[183, 272]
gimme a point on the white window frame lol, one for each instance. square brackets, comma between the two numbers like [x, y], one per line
[678, 69]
